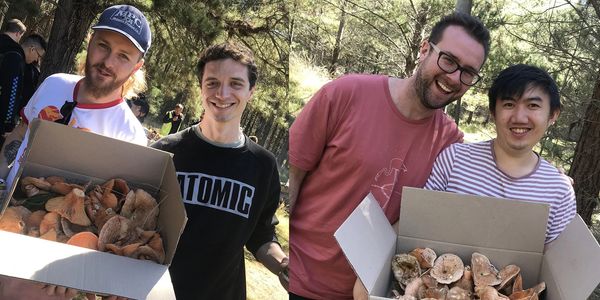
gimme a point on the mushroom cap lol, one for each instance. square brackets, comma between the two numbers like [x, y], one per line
[412, 288]
[425, 256]
[40, 183]
[438, 293]
[14, 219]
[141, 208]
[507, 274]
[429, 281]
[50, 221]
[116, 228]
[447, 268]
[486, 292]
[466, 281]
[457, 293]
[84, 239]
[518, 284]
[70, 206]
[405, 268]
[484, 273]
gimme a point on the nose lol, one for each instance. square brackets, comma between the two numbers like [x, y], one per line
[223, 91]
[455, 77]
[520, 114]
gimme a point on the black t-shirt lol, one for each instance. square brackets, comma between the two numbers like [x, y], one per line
[230, 196]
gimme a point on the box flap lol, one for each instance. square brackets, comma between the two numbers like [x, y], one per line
[368, 241]
[82, 269]
[473, 220]
[572, 261]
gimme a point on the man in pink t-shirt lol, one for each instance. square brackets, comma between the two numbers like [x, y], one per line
[374, 134]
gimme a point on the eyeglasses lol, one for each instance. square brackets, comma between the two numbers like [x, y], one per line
[449, 65]
[38, 53]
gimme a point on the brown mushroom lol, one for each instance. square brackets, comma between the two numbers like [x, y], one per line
[116, 228]
[412, 288]
[486, 292]
[40, 183]
[14, 219]
[147, 253]
[50, 221]
[35, 218]
[425, 256]
[518, 284]
[429, 281]
[405, 268]
[457, 293]
[447, 268]
[437, 293]
[528, 294]
[141, 208]
[70, 206]
[466, 281]
[507, 275]
[484, 273]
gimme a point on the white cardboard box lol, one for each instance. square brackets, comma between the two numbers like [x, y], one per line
[507, 231]
[56, 149]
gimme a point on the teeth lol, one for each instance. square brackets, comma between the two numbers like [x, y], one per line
[445, 88]
[222, 105]
[519, 130]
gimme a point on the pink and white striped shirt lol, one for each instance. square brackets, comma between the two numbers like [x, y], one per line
[471, 169]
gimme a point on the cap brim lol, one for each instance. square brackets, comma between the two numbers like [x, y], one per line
[135, 43]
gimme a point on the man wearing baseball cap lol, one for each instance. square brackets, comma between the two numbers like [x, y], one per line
[115, 56]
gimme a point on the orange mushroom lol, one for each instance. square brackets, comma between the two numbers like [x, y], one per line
[50, 221]
[70, 206]
[84, 239]
[14, 219]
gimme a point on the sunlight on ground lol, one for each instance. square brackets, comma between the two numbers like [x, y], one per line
[261, 284]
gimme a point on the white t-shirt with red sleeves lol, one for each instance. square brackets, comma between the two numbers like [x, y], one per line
[113, 119]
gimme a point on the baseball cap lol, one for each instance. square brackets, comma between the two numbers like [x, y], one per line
[128, 21]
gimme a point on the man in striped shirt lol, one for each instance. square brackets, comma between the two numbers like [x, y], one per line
[524, 101]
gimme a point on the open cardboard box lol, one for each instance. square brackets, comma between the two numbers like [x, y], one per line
[507, 231]
[55, 149]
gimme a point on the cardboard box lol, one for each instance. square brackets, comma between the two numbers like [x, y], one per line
[56, 149]
[507, 231]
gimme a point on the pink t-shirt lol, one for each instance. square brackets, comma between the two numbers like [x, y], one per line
[352, 140]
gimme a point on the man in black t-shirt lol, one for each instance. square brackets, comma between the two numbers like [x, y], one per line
[230, 185]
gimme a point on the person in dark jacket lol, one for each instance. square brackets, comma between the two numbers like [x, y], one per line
[12, 64]
[34, 47]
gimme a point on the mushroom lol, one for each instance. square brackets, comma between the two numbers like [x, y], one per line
[14, 219]
[518, 284]
[466, 281]
[507, 275]
[484, 273]
[425, 256]
[412, 288]
[141, 208]
[457, 293]
[147, 253]
[71, 207]
[486, 292]
[405, 268]
[429, 281]
[71, 229]
[437, 293]
[50, 221]
[117, 228]
[447, 268]
[84, 239]
[40, 183]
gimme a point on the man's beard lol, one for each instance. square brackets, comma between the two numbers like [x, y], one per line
[95, 88]
[423, 90]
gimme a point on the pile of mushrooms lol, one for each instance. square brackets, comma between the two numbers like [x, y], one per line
[421, 274]
[109, 217]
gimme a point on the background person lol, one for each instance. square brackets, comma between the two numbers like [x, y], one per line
[172, 120]
[12, 64]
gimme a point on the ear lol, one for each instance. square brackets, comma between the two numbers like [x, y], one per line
[138, 65]
[423, 50]
[553, 117]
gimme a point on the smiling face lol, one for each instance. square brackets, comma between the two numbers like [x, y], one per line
[521, 122]
[436, 88]
[111, 60]
[225, 91]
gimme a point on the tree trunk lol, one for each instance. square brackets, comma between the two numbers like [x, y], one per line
[586, 161]
[464, 6]
[72, 20]
[338, 40]
[456, 112]
[415, 43]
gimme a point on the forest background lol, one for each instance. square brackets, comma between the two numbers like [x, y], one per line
[302, 44]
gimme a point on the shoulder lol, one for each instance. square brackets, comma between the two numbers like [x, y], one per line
[355, 81]
[170, 142]
[550, 172]
[263, 155]
[62, 79]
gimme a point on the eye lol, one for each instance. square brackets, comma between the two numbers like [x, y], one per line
[534, 105]
[447, 60]
[123, 57]
[210, 84]
[237, 84]
[508, 104]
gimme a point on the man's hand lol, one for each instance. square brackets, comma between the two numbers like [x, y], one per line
[59, 291]
[359, 292]
[283, 274]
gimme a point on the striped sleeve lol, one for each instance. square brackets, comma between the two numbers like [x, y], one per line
[438, 179]
[561, 214]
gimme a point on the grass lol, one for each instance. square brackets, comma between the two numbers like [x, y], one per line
[260, 282]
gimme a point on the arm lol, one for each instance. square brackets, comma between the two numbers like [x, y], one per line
[167, 117]
[295, 182]
[273, 258]
[10, 148]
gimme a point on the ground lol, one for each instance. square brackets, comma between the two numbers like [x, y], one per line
[261, 283]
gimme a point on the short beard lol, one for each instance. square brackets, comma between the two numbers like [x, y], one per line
[99, 91]
[423, 91]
